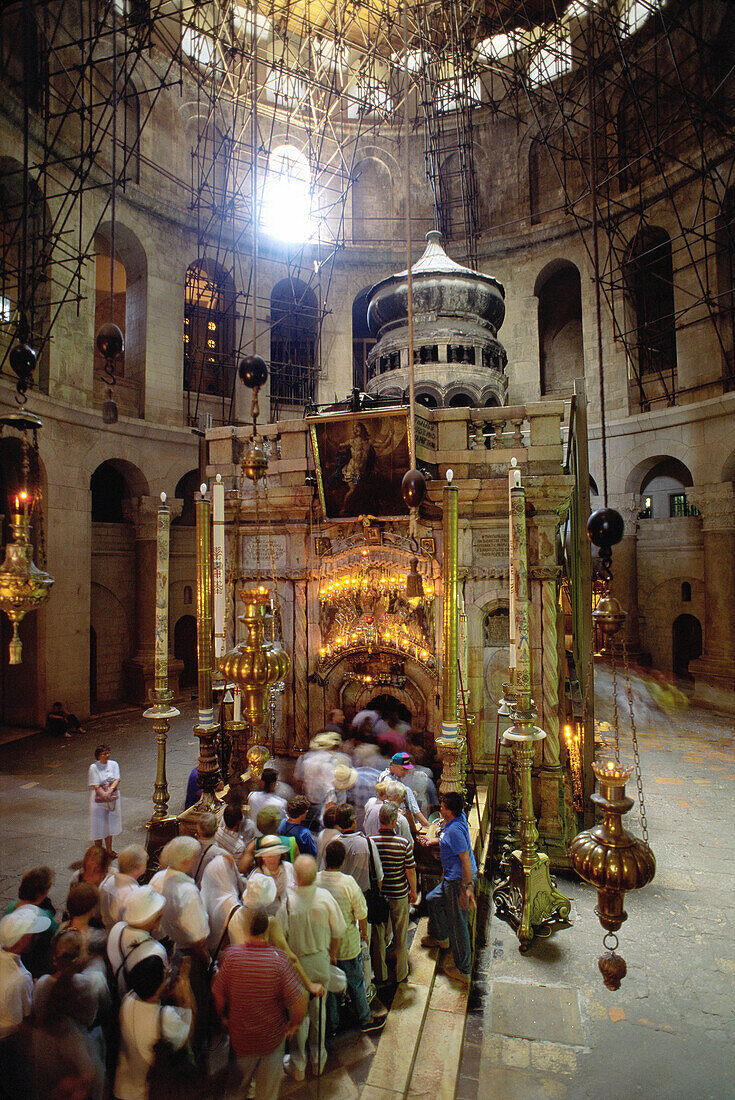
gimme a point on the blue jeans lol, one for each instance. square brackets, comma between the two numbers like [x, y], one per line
[447, 921]
[355, 989]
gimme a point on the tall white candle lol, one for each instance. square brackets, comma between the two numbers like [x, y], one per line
[218, 568]
[511, 573]
[236, 705]
[160, 666]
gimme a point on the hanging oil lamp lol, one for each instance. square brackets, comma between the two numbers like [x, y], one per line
[23, 586]
[607, 856]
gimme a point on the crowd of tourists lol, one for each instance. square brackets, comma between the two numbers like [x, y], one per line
[275, 927]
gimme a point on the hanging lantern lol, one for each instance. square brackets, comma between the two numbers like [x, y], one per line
[254, 665]
[254, 463]
[23, 586]
[613, 861]
[414, 585]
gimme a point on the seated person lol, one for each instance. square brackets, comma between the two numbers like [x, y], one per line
[61, 722]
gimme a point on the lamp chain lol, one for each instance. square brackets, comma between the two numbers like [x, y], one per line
[636, 755]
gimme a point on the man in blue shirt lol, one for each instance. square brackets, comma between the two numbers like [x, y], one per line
[450, 902]
[297, 808]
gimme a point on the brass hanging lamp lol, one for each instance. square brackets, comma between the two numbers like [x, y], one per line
[23, 586]
[607, 856]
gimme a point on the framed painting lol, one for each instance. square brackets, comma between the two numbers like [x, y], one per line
[360, 461]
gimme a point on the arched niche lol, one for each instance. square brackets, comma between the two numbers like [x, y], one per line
[186, 489]
[112, 483]
[372, 200]
[561, 348]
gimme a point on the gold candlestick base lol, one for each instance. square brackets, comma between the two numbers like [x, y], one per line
[161, 714]
[528, 899]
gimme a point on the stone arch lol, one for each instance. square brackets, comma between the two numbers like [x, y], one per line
[644, 467]
[129, 310]
[728, 469]
[461, 396]
[186, 488]
[209, 329]
[658, 480]
[429, 395]
[372, 199]
[121, 481]
[561, 347]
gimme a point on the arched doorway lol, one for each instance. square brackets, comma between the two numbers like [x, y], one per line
[687, 644]
[185, 648]
[388, 707]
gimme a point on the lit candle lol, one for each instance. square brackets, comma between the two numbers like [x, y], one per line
[163, 525]
[218, 568]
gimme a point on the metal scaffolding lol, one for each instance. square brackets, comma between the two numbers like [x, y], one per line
[626, 104]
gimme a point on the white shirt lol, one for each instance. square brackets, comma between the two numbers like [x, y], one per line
[371, 824]
[130, 945]
[351, 901]
[184, 918]
[311, 919]
[410, 798]
[114, 893]
[259, 799]
[16, 992]
[141, 1026]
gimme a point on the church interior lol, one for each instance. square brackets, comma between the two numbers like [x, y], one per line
[381, 357]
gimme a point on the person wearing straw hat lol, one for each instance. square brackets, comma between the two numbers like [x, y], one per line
[269, 857]
[131, 939]
[260, 893]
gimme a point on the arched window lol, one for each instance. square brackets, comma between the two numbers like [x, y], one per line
[185, 490]
[663, 489]
[294, 335]
[209, 326]
[286, 209]
[561, 353]
[362, 339]
[127, 307]
[461, 401]
[686, 592]
[725, 231]
[649, 278]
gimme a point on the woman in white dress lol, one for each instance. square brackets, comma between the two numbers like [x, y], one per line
[104, 798]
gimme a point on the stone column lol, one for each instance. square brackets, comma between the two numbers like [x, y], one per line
[625, 568]
[139, 671]
[714, 671]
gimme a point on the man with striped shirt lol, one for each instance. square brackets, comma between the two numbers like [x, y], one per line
[261, 1000]
[399, 889]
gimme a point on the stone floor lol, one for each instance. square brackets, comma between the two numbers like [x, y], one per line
[540, 1025]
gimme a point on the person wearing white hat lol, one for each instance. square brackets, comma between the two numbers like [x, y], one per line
[260, 893]
[17, 931]
[132, 938]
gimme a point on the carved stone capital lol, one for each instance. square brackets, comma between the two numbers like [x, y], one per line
[629, 505]
[142, 512]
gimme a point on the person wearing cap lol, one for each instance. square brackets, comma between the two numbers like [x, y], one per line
[293, 825]
[351, 901]
[400, 766]
[117, 887]
[260, 1001]
[132, 938]
[33, 890]
[314, 926]
[266, 797]
[260, 893]
[17, 931]
[450, 901]
[269, 857]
